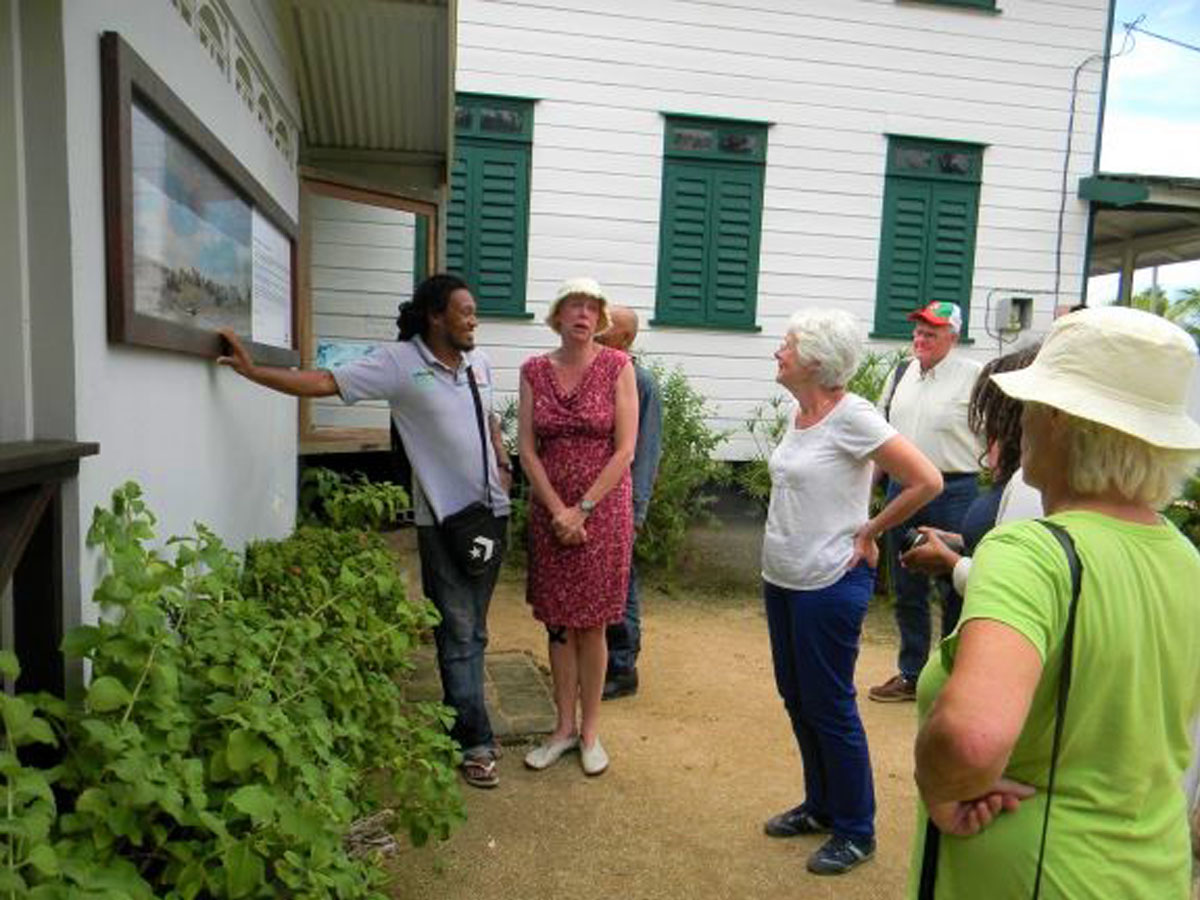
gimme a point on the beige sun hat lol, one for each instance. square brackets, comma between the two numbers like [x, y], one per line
[1121, 367]
[588, 287]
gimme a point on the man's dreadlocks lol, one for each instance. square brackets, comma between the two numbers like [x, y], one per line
[995, 416]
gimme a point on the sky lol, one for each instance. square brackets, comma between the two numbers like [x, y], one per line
[1152, 114]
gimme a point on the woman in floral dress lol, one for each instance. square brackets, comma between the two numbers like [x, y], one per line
[578, 428]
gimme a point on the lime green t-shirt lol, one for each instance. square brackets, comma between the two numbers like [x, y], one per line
[1118, 824]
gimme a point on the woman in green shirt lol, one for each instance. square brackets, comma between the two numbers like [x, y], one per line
[1107, 441]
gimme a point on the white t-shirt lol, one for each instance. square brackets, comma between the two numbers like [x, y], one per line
[820, 495]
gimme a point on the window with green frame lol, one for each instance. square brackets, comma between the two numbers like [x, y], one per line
[927, 241]
[710, 223]
[487, 227]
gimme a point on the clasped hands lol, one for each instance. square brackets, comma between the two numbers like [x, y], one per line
[966, 818]
[568, 526]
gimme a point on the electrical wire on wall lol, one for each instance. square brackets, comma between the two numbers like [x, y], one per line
[1127, 45]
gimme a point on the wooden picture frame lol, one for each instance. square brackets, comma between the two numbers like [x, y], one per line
[193, 241]
[314, 438]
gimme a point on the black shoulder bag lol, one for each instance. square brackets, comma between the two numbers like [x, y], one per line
[929, 860]
[474, 535]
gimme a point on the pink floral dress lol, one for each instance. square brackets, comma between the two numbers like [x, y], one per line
[582, 586]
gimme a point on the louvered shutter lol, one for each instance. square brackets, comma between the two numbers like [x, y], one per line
[687, 199]
[903, 253]
[950, 259]
[732, 277]
[457, 243]
[487, 228]
[500, 228]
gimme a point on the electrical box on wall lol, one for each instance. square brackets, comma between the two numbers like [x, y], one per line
[1011, 315]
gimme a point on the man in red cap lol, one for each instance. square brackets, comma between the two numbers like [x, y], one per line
[927, 403]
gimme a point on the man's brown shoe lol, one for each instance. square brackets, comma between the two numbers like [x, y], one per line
[896, 689]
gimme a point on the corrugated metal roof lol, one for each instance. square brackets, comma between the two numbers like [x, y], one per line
[373, 74]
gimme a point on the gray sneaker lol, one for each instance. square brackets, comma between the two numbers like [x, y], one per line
[839, 855]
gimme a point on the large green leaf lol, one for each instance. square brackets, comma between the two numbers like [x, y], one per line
[107, 694]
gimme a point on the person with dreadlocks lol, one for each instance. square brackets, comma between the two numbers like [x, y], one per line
[996, 419]
[437, 385]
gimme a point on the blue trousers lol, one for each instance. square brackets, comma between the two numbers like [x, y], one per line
[912, 589]
[461, 638]
[814, 646]
[625, 637]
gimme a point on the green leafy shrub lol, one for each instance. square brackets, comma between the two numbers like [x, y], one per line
[1185, 511]
[348, 501]
[686, 468]
[239, 718]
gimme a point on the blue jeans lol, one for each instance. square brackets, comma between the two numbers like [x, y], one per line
[912, 589]
[814, 646]
[625, 637]
[461, 638]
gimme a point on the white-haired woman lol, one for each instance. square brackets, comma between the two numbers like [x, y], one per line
[577, 431]
[1107, 441]
[818, 554]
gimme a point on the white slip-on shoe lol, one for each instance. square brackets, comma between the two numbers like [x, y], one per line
[547, 754]
[594, 759]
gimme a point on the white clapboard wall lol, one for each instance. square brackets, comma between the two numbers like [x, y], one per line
[835, 77]
[361, 268]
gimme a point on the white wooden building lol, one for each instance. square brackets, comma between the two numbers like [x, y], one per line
[717, 164]
[291, 98]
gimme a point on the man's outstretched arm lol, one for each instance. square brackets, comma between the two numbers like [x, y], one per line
[297, 383]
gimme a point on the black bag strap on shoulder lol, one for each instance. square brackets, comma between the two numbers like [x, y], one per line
[929, 859]
[483, 441]
[1064, 680]
[897, 374]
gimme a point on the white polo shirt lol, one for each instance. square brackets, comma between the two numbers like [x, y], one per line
[434, 413]
[930, 409]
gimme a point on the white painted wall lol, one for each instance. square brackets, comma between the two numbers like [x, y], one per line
[16, 397]
[204, 444]
[835, 76]
[361, 265]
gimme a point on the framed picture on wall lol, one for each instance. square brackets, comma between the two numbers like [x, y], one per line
[194, 243]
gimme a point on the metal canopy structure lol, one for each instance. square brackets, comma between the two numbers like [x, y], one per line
[375, 77]
[1141, 221]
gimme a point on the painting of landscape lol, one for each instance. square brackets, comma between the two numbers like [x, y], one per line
[192, 252]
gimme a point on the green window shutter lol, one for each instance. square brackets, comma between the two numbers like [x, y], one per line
[927, 239]
[733, 256]
[502, 229]
[487, 233]
[904, 248]
[421, 250]
[457, 254]
[684, 243]
[950, 263]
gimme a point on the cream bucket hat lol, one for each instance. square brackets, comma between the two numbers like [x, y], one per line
[1121, 367]
[588, 287]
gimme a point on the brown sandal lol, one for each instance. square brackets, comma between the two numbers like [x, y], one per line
[480, 772]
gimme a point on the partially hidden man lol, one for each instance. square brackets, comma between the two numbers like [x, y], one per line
[926, 400]
[439, 388]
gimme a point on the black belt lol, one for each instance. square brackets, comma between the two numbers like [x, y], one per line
[953, 476]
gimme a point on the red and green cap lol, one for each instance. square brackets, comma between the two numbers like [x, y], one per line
[939, 312]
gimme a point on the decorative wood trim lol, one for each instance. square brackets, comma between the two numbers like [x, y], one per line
[215, 26]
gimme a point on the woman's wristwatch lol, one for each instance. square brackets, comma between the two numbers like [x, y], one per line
[586, 506]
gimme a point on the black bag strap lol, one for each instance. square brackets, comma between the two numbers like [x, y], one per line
[1064, 680]
[897, 374]
[929, 859]
[483, 441]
